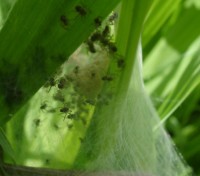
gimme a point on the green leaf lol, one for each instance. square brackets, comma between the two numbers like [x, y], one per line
[5, 144]
[158, 15]
[171, 74]
[35, 42]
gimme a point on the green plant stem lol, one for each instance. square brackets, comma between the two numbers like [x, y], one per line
[104, 128]
[139, 11]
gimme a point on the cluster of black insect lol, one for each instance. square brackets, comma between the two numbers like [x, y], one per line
[70, 106]
[102, 37]
[73, 105]
[79, 9]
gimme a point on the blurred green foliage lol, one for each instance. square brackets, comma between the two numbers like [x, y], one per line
[172, 72]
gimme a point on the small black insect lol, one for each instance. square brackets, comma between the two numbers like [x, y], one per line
[81, 10]
[106, 31]
[71, 116]
[107, 78]
[76, 70]
[91, 46]
[55, 126]
[93, 74]
[61, 83]
[59, 97]
[43, 106]
[90, 101]
[112, 48]
[69, 78]
[104, 41]
[64, 110]
[51, 110]
[37, 122]
[64, 20]
[113, 17]
[70, 126]
[96, 36]
[97, 21]
[120, 63]
[50, 83]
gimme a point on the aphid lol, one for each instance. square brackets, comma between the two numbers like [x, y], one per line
[120, 63]
[59, 97]
[81, 10]
[112, 47]
[113, 17]
[76, 70]
[106, 31]
[52, 110]
[56, 127]
[69, 78]
[93, 74]
[90, 101]
[107, 78]
[61, 83]
[95, 36]
[71, 116]
[64, 110]
[104, 41]
[97, 21]
[70, 126]
[64, 20]
[43, 106]
[91, 47]
[37, 122]
[50, 83]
